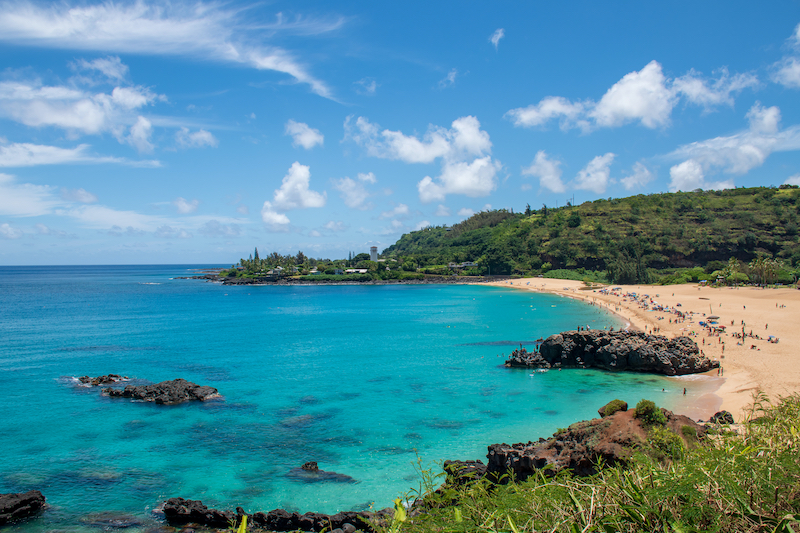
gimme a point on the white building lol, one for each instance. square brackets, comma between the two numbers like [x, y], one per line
[373, 253]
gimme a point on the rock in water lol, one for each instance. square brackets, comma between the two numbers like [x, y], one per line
[166, 392]
[18, 506]
[102, 380]
[616, 350]
[581, 446]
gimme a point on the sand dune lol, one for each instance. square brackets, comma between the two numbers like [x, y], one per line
[748, 365]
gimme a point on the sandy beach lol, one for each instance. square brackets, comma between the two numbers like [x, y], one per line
[748, 364]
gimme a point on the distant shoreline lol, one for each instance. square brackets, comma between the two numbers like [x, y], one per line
[285, 281]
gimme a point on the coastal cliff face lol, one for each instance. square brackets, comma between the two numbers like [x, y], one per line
[616, 350]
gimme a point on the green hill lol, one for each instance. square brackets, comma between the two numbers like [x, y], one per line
[639, 238]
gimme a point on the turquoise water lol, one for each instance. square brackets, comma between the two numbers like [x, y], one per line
[361, 379]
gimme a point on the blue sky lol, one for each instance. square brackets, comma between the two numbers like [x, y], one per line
[152, 132]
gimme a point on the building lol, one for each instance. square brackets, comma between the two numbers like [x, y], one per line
[373, 253]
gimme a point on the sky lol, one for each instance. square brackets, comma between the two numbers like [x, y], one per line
[192, 132]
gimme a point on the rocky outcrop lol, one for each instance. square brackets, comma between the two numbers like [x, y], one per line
[109, 379]
[166, 392]
[178, 511]
[311, 473]
[582, 446]
[616, 350]
[19, 506]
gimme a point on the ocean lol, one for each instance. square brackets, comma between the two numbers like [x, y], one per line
[368, 381]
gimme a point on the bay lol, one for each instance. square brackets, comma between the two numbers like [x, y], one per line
[366, 380]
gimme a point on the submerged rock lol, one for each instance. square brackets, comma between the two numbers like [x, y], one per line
[19, 506]
[310, 473]
[166, 392]
[616, 350]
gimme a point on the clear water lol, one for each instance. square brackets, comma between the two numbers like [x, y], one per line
[361, 379]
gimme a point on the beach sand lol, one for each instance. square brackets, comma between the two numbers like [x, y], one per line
[747, 366]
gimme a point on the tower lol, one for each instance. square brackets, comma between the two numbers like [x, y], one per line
[373, 253]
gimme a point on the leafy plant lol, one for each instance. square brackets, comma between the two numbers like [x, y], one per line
[650, 413]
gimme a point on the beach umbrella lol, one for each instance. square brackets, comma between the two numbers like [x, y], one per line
[712, 317]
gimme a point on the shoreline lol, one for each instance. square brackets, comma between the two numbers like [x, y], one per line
[748, 365]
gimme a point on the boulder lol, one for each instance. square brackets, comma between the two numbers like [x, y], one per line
[581, 447]
[722, 417]
[19, 506]
[616, 350]
[109, 379]
[178, 511]
[310, 473]
[166, 392]
[612, 407]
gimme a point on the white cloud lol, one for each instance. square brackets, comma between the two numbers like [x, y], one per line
[366, 86]
[243, 209]
[303, 135]
[640, 177]
[465, 212]
[399, 210]
[442, 211]
[464, 150]
[787, 72]
[353, 193]
[548, 172]
[197, 139]
[78, 195]
[9, 232]
[41, 229]
[33, 104]
[793, 180]
[169, 232]
[568, 113]
[639, 96]
[369, 177]
[184, 206]
[28, 155]
[646, 96]
[595, 176]
[741, 152]
[314, 233]
[294, 192]
[420, 225]
[688, 176]
[203, 30]
[139, 136]
[337, 225]
[449, 80]
[272, 217]
[26, 199]
[498, 34]
[111, 66]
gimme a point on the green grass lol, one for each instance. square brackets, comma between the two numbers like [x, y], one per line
[727, 483]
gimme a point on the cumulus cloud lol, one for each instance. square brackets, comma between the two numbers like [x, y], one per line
[139, 135]
[793, 180]
[547, 170]
[169, 232]
[294, 193]
[786, 72]
[7, 231]
[498, 34]
[111, 67]
[399, 211]
[741, 152]
[78, 195]
[688, 176]
[207, 31]
[353, 192]
[645, 96]
[197, 139]
[366, 86]
[464, 150]
[214, 228]
[595, 176]
[26, 199]
[421, 225]
[184, 206]
[465, 212]
[303, 135]
[335, 225]
[639, 177]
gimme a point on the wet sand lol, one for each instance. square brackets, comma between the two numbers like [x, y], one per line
[748, 365]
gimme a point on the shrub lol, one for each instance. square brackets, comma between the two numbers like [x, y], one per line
[665, 444]
[689, 432]
[650, 413]
[613, 406]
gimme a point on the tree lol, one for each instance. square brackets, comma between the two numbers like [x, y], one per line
[255, 255]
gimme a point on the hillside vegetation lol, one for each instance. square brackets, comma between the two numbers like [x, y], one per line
[639, 238]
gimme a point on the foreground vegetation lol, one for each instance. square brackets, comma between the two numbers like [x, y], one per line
[731, 482]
